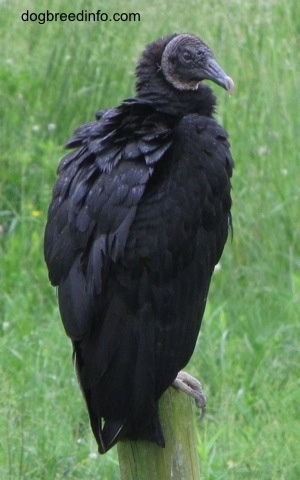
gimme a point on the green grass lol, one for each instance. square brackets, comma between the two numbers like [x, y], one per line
[248, 352]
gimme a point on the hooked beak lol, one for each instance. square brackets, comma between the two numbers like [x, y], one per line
[215, 73]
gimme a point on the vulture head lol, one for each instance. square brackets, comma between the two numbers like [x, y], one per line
[174, 67]
[186, 61]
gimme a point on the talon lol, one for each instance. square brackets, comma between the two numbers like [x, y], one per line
[192, 387]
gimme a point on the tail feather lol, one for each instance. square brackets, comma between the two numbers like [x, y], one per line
[112, 431]
[109, 435]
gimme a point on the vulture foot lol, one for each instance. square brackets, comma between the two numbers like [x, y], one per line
[192, 387]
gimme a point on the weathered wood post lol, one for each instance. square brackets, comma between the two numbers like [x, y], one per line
[143, 460]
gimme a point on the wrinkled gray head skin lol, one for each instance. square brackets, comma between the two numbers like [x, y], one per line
[186, 61]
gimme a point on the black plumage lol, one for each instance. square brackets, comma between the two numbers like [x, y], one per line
[138, 220]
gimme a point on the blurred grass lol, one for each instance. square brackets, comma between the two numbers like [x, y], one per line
[53, 78]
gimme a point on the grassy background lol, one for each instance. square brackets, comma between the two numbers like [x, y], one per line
[53, 78]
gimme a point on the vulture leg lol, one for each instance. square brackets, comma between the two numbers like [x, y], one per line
[191, 386]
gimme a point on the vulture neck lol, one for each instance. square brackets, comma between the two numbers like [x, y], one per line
[179, 102]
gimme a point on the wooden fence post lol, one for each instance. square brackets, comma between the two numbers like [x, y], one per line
[143, 460]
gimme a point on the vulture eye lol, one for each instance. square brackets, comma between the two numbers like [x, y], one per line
[187, 56]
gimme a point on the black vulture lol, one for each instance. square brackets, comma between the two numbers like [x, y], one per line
[138, 220]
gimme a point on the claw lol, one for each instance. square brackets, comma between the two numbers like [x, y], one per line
[192, 387]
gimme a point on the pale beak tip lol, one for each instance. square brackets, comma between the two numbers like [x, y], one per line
[229, 85]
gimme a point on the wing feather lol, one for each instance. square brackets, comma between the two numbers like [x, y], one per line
[98, 189]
